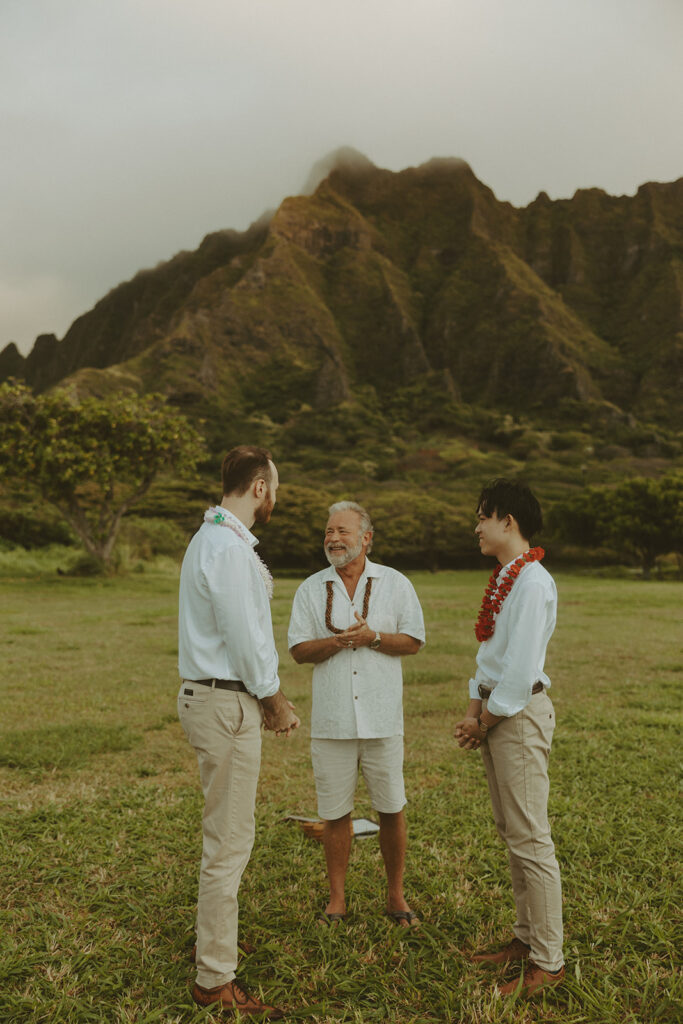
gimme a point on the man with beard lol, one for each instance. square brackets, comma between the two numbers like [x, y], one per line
[353, 622]
[230, 687]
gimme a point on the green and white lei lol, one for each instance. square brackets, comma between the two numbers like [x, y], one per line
[217, 516]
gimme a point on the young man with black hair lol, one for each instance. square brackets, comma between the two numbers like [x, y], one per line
[511, 719]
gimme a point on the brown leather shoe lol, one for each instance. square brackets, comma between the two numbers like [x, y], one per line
[231, 998]
[515, 951]
[535, 978]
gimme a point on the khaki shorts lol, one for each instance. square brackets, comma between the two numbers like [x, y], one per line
[335, 767]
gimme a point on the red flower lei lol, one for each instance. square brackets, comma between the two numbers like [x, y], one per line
[495, 593]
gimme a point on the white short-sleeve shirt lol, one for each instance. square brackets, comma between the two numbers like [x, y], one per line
[357, 694]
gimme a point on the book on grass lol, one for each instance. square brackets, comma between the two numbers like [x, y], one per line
[313, 827]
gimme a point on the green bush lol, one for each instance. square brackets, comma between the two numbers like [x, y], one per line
[16, 561]
[33, 526]
[146, 538]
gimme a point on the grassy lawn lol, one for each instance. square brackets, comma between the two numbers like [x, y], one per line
[100, 825]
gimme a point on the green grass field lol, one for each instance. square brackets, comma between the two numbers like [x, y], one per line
[100, 827]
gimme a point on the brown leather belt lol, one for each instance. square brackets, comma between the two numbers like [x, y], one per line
[221, 684]
[486, 691]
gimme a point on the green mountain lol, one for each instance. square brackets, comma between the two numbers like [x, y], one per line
[380, 282]
[399, 338]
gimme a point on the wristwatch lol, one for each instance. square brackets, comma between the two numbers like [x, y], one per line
[374, 644]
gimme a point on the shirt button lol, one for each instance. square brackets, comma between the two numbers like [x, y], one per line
[355, 698]
[355, 673]
[187, 705]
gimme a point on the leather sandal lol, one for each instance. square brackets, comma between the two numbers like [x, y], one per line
[398, 916]
[329, 920]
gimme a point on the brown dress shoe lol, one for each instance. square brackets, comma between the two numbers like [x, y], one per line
[232, 997]
[535, 978]
[516, 950]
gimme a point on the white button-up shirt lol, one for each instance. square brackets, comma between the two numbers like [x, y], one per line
[225, 630]
[512, 660]
[357, 693]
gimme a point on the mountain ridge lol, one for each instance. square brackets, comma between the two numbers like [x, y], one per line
[379, 279]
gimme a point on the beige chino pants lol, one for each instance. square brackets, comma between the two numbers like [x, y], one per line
[224, 727]
[516, 756]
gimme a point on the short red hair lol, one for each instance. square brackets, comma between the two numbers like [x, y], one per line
[244, 464]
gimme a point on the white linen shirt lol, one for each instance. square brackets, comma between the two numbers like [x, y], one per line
[512, 660]
[225, 630]
[357, 694]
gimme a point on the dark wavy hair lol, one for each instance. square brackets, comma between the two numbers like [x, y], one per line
[510, 498]
[244, 464]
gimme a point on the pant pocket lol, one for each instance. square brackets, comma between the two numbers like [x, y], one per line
[192, 704]
[229, 711]
[252, 713]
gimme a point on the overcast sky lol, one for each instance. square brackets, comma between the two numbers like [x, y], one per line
[129, 129]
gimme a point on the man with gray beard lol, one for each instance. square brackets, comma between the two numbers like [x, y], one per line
[353, 622]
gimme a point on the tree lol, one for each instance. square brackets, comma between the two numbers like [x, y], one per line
[91, 460]
[639, 516]
[415, 530]
[294, 536]
[646, 517]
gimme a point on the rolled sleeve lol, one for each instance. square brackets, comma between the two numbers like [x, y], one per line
[240, 606]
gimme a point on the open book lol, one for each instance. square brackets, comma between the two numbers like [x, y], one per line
[361, 828]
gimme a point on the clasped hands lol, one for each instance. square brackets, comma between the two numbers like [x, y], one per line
[278, 714]
[293, 722]
[358, 635]
[468, 734]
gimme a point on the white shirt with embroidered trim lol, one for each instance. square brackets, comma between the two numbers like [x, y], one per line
[225, 630]
[357, 694]
[513, 659]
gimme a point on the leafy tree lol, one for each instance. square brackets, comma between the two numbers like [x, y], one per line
[646, 517]
[412, 530]
[641, 517]
[415, 530]
[581, 519]
[294, 537]
[91, 460]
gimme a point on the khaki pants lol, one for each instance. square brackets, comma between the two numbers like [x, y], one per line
[224, 727]
[515, 756]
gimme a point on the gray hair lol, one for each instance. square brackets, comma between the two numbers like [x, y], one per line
[365, 521]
